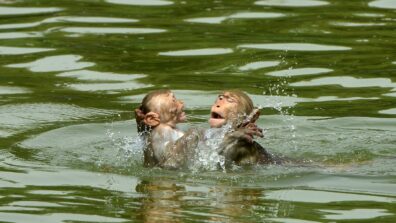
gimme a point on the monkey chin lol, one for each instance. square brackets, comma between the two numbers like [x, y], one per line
[216, 122]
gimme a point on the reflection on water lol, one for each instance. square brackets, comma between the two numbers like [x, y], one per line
[197, 52]
[17, 35]
[348, 82]
[22, 117]
[299, 71]
[81, 19]
[386, 4]
[322, 196]
[13, 90]
[54, 63]
[356, 24]
[291, 3]
[102, 76]
[125, 86]
[259, 65]
[71, 73]
[7, 50]
[106, 30]
[141, 2]
[355, 214]
[240, 15]
[294, 47]
[23, 11]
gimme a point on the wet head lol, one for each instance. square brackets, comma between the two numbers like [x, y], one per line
[163, 105]
[230, 107]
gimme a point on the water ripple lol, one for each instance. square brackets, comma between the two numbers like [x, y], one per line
[75, 19]
[356, 24]
[141, 2]
[240, 15]
[26, 11]
[83, 19]
[386, 4]
[20, 35]
[348, 82]
[124, 86]
[100, 76]
[22, 117]
[13, 90]
[292, 3]
[111, 30]
[355, 214]
[299, 72]
[197, 52]
[294, 47]
[54, 63]
[391, 111]
[258, 65]
[19, 25]
[6, 50]
[312, 196]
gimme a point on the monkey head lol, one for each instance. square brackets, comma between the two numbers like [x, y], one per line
[232, 106]
[160, 107]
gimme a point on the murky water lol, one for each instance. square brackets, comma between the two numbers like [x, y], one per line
[71, 73]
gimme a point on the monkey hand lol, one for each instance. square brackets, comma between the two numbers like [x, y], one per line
[247, 132]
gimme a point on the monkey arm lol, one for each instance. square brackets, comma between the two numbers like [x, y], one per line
[178, 152]
[239, 148]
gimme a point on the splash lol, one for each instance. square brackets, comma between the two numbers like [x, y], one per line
[128, 152]
[279, 88]
[207, 152]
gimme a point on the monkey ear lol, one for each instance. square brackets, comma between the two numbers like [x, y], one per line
[152, 119]
[139, 115]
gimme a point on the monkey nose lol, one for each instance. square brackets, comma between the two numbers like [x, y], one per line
[217, 106]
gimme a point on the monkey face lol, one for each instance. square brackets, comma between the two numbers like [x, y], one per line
[171, 109]
[223, 110]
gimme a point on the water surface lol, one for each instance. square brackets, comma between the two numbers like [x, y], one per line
[322, 72]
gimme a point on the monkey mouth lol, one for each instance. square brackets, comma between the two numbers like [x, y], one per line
[216, 115]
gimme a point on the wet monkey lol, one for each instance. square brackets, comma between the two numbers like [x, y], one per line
[235, 109]
[156, 118]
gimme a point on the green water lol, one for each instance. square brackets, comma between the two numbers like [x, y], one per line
[71, 73]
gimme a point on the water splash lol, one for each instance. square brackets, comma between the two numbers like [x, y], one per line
[207, 152]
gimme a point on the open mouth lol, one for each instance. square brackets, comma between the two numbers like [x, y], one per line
[216, 115]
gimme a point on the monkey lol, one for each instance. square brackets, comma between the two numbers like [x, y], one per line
[235, 108]
[170, 148]
[156, 119]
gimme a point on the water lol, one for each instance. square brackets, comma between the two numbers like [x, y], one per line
[71, 73]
